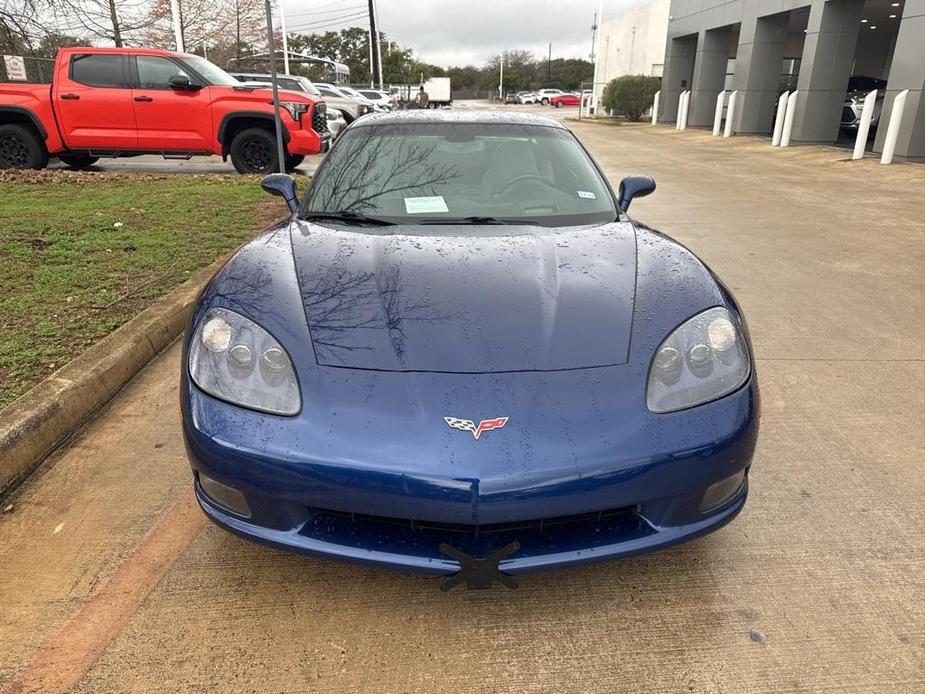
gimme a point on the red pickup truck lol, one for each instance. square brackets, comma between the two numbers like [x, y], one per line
[122, 102]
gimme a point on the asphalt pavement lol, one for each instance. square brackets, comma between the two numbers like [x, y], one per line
[111, 579]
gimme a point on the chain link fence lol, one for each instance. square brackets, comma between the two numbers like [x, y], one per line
[38, 70]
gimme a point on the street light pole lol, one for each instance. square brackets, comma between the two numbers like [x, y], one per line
[271, 52]
[501, 80]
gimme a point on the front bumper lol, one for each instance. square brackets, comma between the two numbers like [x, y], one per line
[304, 141]
[390, 543]
[636, 499]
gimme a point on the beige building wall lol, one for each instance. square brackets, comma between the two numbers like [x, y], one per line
[633, 43]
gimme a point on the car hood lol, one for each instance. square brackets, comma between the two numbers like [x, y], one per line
[467, 299]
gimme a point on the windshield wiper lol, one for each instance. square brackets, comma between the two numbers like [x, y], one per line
[475, 220]
[349, 217]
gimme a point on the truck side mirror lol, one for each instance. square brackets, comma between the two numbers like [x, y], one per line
[634, 187]
[284, 186]
[181, 82]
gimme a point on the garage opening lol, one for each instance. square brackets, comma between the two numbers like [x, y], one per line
[878, 28]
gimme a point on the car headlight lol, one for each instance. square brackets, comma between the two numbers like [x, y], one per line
[295, 109]
[703, 359]
[234, 359]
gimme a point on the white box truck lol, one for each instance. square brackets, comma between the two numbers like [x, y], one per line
[438, 89]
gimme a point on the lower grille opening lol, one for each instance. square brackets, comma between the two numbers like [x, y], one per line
[485, 528]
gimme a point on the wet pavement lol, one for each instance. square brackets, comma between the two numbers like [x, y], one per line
[111, 580]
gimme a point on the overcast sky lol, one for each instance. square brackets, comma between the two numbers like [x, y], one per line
[462, 32]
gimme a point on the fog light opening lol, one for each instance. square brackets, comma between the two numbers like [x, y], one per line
[224, 496]
[720, 492]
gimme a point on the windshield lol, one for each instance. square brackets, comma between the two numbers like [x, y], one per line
[427, 173]
[213, 74]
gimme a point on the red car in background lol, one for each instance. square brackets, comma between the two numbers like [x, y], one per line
[564, 100]
[122, 102]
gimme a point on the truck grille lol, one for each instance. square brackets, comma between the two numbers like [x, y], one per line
[320, 118]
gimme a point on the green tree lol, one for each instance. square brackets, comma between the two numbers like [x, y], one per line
[630, 95]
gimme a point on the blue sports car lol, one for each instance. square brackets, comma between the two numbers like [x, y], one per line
[460, 356]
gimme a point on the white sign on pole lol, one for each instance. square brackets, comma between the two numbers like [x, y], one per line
[15, 68]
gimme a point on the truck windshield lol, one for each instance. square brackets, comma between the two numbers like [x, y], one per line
[213, 74]
[439, 173]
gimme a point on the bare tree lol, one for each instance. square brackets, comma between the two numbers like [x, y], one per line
[219, 29]
[121, 22]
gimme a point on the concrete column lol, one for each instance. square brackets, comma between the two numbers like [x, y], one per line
[709, 74]
[907, 71]
[757, 74]
[676, 77]
[828, 54]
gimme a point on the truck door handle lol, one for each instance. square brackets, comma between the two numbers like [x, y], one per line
[70, 97]
[143, 98]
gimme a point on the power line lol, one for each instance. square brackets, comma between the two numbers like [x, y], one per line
[331, 11]
[324, 24]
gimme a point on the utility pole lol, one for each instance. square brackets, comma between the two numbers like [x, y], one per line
[271, 54]
[549, 64]
[378, 47]
[177, 24]
[375, 68]
[282, 24]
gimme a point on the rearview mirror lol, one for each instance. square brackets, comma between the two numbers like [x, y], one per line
[282, 185]
[181, 82]
[634, 187]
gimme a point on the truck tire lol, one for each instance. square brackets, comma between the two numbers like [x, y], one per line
[293, 160]
[20, 148]
[77, 161]
[253, 151]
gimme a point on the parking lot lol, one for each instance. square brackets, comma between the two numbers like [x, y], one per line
[112, 580]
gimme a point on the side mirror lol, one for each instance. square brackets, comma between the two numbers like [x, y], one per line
[284, 186]
[181, 82]
[634, 187]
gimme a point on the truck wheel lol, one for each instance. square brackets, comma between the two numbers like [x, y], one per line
[21, 149]
[253, 151]
[293, 160]
[77, 161]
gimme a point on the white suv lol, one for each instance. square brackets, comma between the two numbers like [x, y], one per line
[546, 94]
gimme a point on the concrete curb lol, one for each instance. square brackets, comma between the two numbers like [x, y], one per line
[42, 419]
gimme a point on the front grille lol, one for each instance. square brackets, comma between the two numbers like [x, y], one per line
[320, 118]
[485, 528]
[847, 115]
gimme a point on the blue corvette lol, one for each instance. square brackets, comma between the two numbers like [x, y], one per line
[460, 356]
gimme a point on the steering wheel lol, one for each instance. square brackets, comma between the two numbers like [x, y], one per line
[519, 179]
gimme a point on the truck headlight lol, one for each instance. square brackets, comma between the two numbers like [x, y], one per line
[295, 109]
[702, 360]
[234, 359]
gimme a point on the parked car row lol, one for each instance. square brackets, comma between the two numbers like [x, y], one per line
[344, 104]
[546, 97]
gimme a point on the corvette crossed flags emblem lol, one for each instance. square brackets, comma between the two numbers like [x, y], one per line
[475, 429]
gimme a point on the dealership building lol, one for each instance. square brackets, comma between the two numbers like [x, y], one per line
[763, 47]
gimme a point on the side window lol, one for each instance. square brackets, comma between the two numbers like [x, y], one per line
[289, 84]
[326, 92]
[155, 72]
[98, 70]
